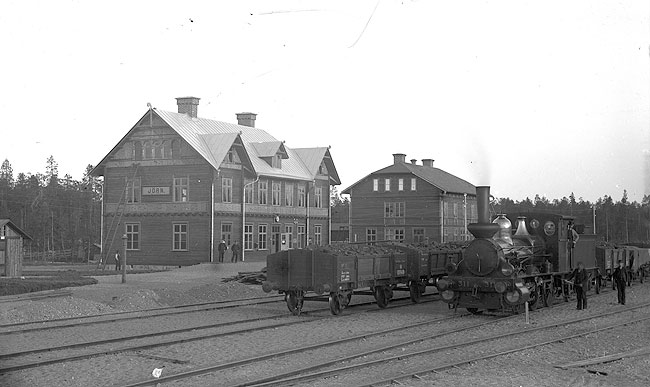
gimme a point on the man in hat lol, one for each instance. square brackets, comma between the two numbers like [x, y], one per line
[620, 277]
[580, 283]
[222, 250]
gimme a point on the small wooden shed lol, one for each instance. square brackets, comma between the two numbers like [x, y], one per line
[11, 248]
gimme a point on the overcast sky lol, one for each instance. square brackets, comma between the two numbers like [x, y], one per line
[531, 97]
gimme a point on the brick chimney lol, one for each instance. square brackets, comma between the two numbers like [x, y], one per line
[246, 119]
[188, 105]
[427, 162]
[399, 158]
[414, 161]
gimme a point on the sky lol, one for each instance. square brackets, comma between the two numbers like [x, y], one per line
[530, 97]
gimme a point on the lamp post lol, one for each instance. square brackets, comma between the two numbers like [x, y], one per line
[124, 238]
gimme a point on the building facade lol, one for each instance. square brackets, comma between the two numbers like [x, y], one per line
[411, 203]
[176, 185]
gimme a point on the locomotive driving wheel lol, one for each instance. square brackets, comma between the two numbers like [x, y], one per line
[295, 300]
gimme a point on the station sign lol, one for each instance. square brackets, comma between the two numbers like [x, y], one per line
[155, 191]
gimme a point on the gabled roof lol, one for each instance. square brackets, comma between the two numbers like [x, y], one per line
[313, 157]
[269, 149]
[435, 176]
[212, 140]
[7, 222]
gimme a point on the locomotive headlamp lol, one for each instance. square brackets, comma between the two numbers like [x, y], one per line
[451, 268]
[500, 287]
[448, 295]
[507, 269]
[512, 297]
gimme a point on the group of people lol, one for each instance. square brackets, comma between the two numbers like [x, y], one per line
[223, 247]
[581, 277]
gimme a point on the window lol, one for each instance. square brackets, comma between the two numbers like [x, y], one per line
[288, 229]
[318, 234]
[276, 190]
[400, 184]
[396, 234]
[445, 211]
[375, 185]
[226, 232]
[261, 236]
[248, 192]
[418, 235]
[394, 209]
[276, 162]
[413, 183]
[248, 236]
[226, 190]
[386, 184]
[181, 188]
[455, 213]
[180, 236]
[232, 157]
[371, 234]
[288, 195]
[133, 190]
[318, 197]
[301, 195]
[132, 236]
[262, 191]
[301, 236]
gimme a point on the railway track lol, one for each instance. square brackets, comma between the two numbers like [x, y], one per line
[315, 371]
[20, 360]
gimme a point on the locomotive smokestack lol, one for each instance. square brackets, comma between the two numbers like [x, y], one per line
[483, 229]
[483, 203]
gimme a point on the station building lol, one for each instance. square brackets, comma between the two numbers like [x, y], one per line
[411, 203]
[176, 185]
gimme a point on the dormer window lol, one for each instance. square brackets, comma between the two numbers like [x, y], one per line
[232, 157]
[322, 169]
[276, 161]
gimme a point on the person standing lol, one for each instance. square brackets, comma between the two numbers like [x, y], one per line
[235, 252]
[118, 265]
[580, 283]
[620, 277]
[222, 250]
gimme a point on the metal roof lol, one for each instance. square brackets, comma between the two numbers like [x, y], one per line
[212, 139]
[445, 181]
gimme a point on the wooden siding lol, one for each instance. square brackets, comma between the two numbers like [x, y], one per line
[11, 259]
[422, 208]
[156, 240]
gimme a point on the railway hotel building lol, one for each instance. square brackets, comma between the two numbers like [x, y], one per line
[176, 185]
[411, 203]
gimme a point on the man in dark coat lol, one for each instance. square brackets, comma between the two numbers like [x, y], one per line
[620, 277]
[235, 252]
[222, 250]
[580, 284]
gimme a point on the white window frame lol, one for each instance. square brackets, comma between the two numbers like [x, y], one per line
[180, 236]
[387, 184]
[262, 192]
[181, 189]
[318, 234]
[276, 193]
[262, 236]
[375, 185]
[131, 242]
[248, 236]
[400, 184]
[318, 197]
[413, 184]
[288, 195]
[226, 189]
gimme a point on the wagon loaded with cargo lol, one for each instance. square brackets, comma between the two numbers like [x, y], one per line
[334, 275]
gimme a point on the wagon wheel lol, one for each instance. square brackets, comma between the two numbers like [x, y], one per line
[533, 299]
[598, 279]
[415, 291]
[641, 275]
[335, 304]
[294, 301]
[474, 311]
[380, 296]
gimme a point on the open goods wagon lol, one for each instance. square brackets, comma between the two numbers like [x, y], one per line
[335, 276]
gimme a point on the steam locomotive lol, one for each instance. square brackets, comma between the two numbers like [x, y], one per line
[515, 260]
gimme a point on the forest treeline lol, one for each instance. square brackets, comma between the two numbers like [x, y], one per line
[61, 213]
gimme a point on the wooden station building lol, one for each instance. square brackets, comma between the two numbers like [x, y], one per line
[411, 203]
[176, 185]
